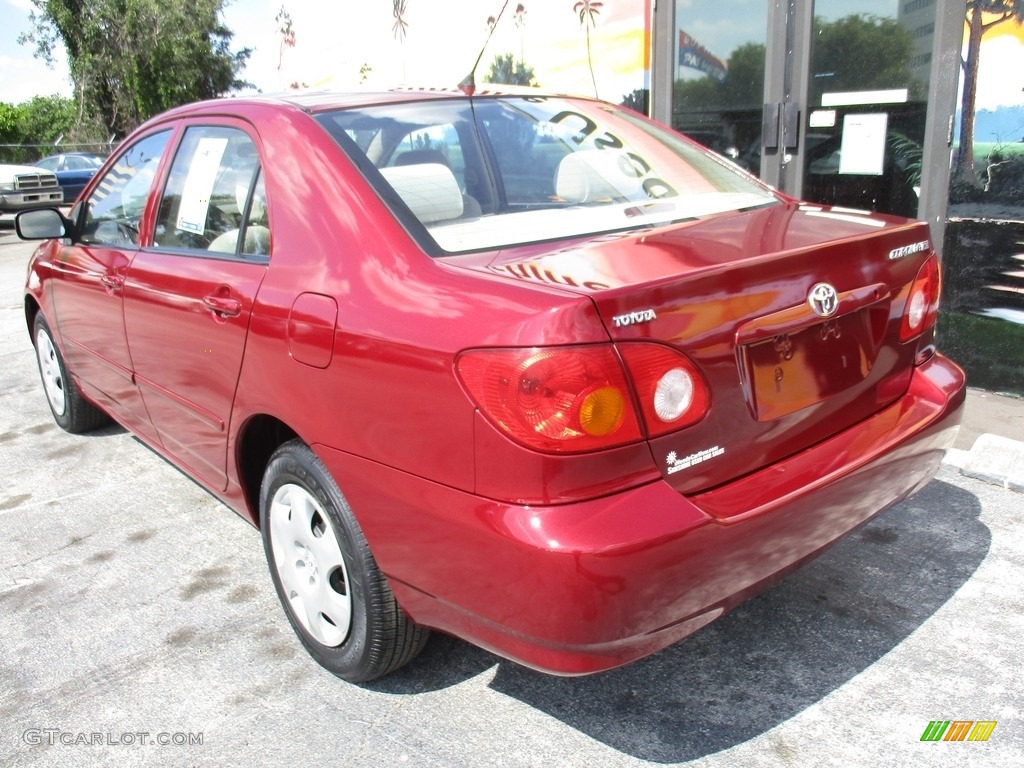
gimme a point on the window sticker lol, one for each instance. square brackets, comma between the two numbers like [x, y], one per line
[195, 198]
[823, 118]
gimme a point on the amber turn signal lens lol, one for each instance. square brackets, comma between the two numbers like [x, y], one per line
[601, 411]
[557, 399]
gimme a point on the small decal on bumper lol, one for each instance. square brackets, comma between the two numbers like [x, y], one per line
[677, 463]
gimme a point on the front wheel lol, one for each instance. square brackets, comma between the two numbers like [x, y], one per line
[70, 409]
[334, 595]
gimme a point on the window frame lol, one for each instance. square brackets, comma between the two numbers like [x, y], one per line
[256, 180]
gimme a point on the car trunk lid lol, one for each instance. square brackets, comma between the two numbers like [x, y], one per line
[734, 294]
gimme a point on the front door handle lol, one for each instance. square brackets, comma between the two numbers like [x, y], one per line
[225, 306]
[112, 281]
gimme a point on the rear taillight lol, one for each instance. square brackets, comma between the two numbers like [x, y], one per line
[578, 398]
[671, 392]
[560, 399]
[922, 306]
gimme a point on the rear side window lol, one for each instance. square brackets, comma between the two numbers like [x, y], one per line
[214, 200]
[114, 209]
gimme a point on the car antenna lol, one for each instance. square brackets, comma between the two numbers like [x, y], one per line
[468, 84]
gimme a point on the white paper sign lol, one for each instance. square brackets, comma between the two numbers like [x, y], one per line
[863, 147]
[195, 197]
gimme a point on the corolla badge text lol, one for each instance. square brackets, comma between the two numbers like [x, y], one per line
[909, 250]
[634, 318]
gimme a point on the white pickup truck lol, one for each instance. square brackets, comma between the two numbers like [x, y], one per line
[23, 187]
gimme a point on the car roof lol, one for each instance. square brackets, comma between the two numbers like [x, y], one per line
[323, 100]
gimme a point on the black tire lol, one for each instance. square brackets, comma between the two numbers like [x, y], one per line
[336, 598]
[70, 409]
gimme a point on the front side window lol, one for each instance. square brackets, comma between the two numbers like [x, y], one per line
[504, 171]
[114, 209]
[214, 199]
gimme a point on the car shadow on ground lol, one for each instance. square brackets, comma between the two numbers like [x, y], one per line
[768, 660]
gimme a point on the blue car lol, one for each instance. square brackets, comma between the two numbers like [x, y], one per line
[73, 170]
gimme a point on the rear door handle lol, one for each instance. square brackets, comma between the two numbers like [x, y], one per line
[112, 281]
[225, 306]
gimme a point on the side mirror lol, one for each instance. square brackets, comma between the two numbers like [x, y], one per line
[43, 224]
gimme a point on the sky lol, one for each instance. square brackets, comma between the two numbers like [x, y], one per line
[335, 38]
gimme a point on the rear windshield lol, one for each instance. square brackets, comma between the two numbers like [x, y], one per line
[496, 172]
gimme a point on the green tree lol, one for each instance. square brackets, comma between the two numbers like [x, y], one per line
[505, 70]
[999, 12]
[44, 119]
[743, 86]
[860, 53]
[41, 121]
[637, 100]
[854, 53]
[131, 59]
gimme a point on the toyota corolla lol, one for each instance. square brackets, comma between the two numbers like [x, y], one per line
[531, 370]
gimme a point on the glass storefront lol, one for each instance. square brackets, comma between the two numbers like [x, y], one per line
[852, 102]
[868, 103]
[718, 89]
[828, 100]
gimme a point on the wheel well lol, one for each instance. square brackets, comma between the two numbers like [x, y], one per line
[260, 437]
[31, 310]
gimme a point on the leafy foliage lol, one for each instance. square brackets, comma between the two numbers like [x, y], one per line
[743, 85]
[504, 69]
[637, 100]
[858, 52]
[41, 121]
[131, 59]
[862, 52]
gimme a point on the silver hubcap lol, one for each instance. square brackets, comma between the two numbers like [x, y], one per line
[53, 382]
[310, 565]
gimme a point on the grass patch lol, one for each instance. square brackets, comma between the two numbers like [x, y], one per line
[982, 150]
[990, 349]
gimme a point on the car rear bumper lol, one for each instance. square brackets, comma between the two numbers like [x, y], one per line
[579, 588]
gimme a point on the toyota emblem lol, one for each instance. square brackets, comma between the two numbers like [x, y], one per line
[823, 300]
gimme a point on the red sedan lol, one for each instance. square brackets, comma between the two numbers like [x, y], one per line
[531, 370]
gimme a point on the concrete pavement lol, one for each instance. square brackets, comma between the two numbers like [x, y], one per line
[138, 626]
[990, 445]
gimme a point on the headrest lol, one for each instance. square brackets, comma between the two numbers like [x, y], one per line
[584, 177]
[429, 189]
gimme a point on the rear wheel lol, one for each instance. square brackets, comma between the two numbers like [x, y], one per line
[70, 409]
[334, 595]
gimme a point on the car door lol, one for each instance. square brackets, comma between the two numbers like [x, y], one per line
[189, 295]
[87, 293]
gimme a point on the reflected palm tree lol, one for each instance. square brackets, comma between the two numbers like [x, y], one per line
[400, 26]
[588, 11]
[286, 29]
[520, 19]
